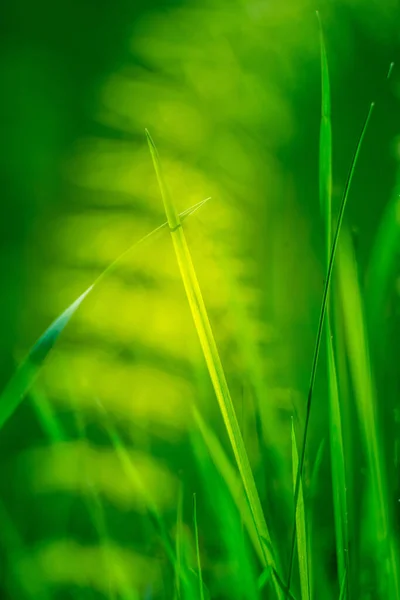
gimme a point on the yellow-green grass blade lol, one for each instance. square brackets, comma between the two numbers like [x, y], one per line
[237, 492]
[252, 364]
[320, 330]
[196, 537]
[301, 527]
[25, 375]
[229, 475]
[216, 469]
[378, 523]
[335, 421]
[213, 361]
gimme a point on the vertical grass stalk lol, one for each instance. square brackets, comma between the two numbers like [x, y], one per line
[301, 527]
[196, 536]
[335, 421]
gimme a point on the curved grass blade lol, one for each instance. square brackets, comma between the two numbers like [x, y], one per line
[320, 329]
[212, 358]
[26, 373]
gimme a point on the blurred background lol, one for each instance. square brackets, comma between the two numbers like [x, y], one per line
[230, 91]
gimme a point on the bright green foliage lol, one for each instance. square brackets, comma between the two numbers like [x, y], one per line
[255, 540]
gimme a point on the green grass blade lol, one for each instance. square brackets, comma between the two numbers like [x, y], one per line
[382, 269]
[325, 147]
[196, 535]
[28, 370]
[241, 582]
[25, 375]
[338, 466]
[46, 417]
[213, 360]
[343, 586]
[178, 544]
[335, 420]
[377, 527]
[316, 566]
[229, 475]
[301, 527]
[320, 329]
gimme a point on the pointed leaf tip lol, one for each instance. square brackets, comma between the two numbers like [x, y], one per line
[150, 140]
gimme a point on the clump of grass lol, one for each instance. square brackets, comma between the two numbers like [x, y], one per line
[324, 306]
[234, 494]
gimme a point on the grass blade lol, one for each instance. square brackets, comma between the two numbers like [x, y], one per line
[382, 268]
[196, 535]
[229, 475]
[325, 147]
[335, 420]
[178, 544]
[25, 375]
[320, 329]
[231, 513]
[301, 527]
[343, 586]
[377, 526]
[213, 360]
